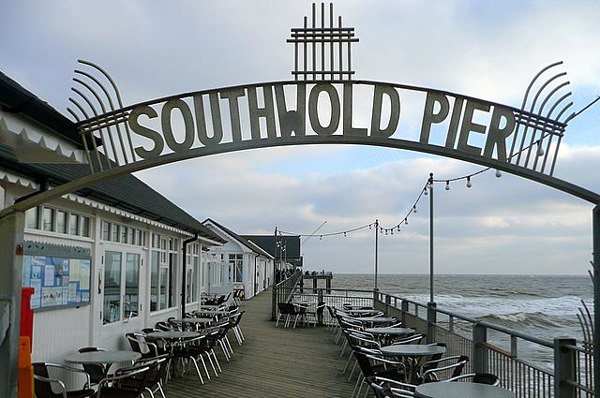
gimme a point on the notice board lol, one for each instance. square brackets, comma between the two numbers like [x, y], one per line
[59, 274]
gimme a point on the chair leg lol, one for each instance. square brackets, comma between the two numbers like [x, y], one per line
[347, 364]
[214, 354]
[278, 318]
[205, 368]
[150, 391]
[197, 370]
[211, 363]
[161, 390]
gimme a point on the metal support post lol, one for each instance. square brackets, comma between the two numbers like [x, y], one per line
[376, 250]
[431, 322]
[480, 352]
[564, 367]
[388, 302]
[431, 298]
[596, 265]
[274, 292]
[11, 253]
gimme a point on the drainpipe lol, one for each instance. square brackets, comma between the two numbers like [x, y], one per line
[254, 285]
[183, 281]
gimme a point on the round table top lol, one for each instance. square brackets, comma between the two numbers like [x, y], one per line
[461, 390]
[194, 320]
[390, 331]
[412, 350]
[375, 319]
[103, 357]
[173, 334]
[363, 311]
[210, 306]
[214, 312]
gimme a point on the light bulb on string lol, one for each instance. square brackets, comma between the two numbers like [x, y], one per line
[469, 185]
[345, 234]
[498, 174]
[321, 237]
[540, 150]
[406, 221]
[425, 190]
[386, 231]
[369, 226]
[447, 185]
[415, 209]
[398, 227]
[392, 231]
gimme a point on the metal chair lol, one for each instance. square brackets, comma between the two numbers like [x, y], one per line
[133, 382]
[96, 371]
[482, 378]
[43, 382]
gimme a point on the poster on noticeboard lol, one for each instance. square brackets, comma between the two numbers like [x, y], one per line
[60, 275]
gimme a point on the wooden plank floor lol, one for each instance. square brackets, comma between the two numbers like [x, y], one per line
[272, 362]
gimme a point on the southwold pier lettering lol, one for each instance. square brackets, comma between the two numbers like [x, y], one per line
[293, 110]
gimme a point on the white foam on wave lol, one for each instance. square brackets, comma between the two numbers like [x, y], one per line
[499, 306]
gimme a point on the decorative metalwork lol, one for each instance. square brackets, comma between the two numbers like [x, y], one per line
[99, 121]
[308, 66]
[550, 94]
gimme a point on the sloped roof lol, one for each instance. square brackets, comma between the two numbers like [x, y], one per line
[249, 244]
[127, 192]
[269, 244]
[15, 98]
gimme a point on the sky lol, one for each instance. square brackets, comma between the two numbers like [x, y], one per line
[484, 49]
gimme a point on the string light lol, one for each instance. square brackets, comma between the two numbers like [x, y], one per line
[415, 209]
[447, 185]
[540, 150]
[406, 221]
[345, 234]
[398, 227]
[498, 174]
[469, 185]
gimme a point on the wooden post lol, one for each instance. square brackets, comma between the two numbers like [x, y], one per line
[328, 285]
[480, 353]
[315, 282]
[11, 253]
[564, 368]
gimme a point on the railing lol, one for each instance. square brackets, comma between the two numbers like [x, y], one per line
[570, 375]
[283, 290]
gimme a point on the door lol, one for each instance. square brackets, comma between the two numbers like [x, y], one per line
[121, 303]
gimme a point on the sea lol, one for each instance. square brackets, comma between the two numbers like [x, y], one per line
[544, 306]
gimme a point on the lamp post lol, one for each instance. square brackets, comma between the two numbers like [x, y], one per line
[376, 251]
[430, 237]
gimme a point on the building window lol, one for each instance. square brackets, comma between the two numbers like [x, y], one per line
[236, 263]
[114, 229]
[85, 226]
[48, 219]
[154, 281]
[61, 222]
[32, 218]
[74, 224]
[132, 285]
[105, 230]
[112, 287]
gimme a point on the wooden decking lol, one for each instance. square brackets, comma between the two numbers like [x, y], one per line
[272, 362]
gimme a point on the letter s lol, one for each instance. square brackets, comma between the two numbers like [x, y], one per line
[153, 135]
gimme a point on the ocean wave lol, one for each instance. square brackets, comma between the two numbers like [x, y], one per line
[506, 307]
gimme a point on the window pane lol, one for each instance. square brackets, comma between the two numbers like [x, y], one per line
[105, 230]
[141, 238]
[114, 233]
[195, 280]
[188, 287]
[132, 285]
[164, 280]
[172, 279]
[85, 226]
[61, 222]
[154, 282]
[123, 234]
[74, 224]
[32, 217]
[112, 287]
[131, 238]
[48, 219]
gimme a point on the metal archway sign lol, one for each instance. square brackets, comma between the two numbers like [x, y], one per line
[322, 105]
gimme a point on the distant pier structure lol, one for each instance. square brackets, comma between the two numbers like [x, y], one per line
[316, 276]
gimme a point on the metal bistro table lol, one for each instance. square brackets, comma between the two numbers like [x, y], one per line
[213, 312]
[387, 333]
[441, 389]
[104, 358]
[173, 335]
[414, 352]
[196, 320]
[371, 320]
